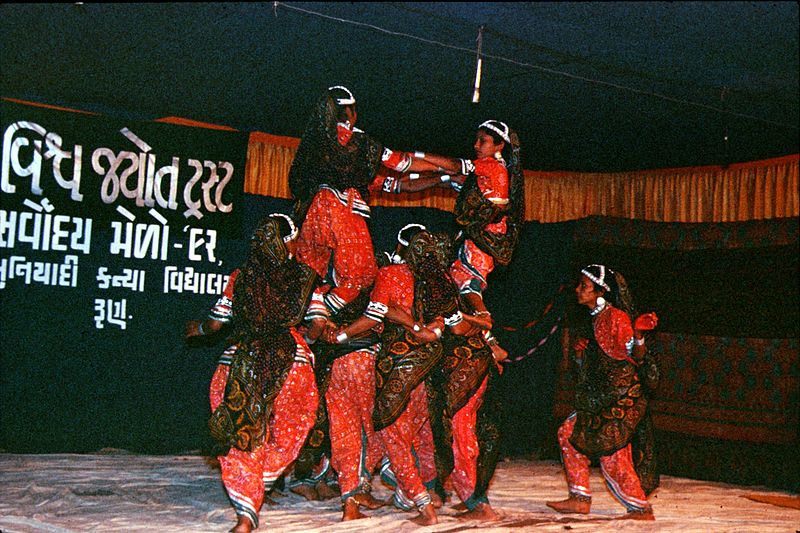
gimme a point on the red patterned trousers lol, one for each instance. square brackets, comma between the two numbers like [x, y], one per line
[355, 447]
[246, 475]
[617, 469]
[465, 449]
[412, 430]
[471, 268]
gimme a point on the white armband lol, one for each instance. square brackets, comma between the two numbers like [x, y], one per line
[454, 319]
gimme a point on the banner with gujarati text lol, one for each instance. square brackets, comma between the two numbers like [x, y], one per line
[116, 208]
[113, 233]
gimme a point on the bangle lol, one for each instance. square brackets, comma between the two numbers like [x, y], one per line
[416, 328]
[200, 328]
[437, 331]
[638, 342]
[445, 178]
[413, 176]
[420, 155]
[341, 338]
[483, 313]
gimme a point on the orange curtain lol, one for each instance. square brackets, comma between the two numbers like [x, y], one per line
[740, 192]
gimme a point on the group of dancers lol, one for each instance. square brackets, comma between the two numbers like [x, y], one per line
[340, 357]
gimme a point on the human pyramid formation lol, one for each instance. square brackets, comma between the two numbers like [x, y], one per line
[335, 362]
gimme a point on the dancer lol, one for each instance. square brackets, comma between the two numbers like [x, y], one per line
[610, 401]
[489, 209]
[263, 394]
[409, 354]
[465, 433]
[329, 179]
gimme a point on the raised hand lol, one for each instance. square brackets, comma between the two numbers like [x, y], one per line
[645, 322]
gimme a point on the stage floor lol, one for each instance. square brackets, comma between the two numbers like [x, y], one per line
[135, 493]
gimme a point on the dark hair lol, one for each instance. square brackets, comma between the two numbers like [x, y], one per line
[337, 93]
[407, 234]
[507, 148]
[600, 272]
[284, 228]
[617, 292]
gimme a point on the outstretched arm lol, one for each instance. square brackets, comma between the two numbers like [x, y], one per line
[419, 171]
[419, 182]
[341, 335]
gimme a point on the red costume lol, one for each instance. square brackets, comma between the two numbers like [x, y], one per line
[605, 420]
[394, 287]
[332, 170]
[335, 242]
[473, 265]
[335, 234]
[247, 475]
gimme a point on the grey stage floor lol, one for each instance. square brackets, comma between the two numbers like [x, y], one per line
[123, 492]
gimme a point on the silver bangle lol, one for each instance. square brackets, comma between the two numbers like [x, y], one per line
[416, 328]
[341, 338]
[445, 178]
[438, 332]
[200, 328]
[638, 342]
[419, 155]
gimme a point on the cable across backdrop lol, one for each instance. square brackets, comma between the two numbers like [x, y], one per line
[713, 250]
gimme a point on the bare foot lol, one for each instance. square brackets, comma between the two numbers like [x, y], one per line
[367, 500]
[350, 510]
[436, 501]
[306, 491]
[636, 515]
[482, 512]
[426, 517]
[325, 491]
[571, 505]
[460, 507]
[243, 525]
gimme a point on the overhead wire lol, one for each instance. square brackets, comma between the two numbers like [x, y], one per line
[540, 68]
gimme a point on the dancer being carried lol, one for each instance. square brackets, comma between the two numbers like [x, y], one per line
[489, 209]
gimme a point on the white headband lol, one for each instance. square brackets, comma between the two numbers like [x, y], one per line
[292, 228]
[344, 101]
[399, 233]
[601, 280]
[490, 124]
